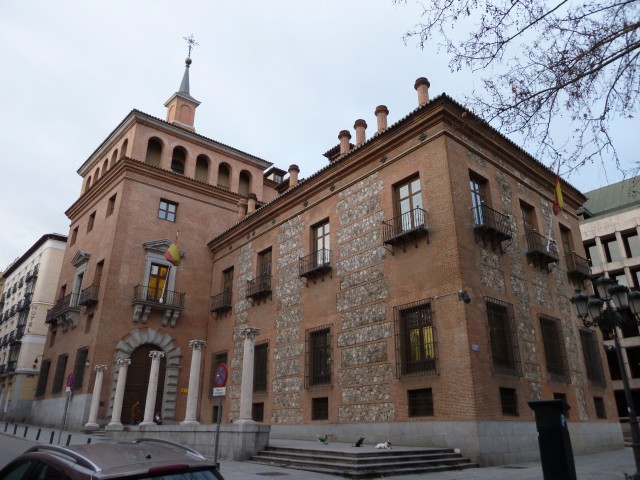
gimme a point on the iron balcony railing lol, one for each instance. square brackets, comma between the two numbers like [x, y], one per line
[495, 223]
[64, 305]
[32, 274]
[221, 302]
[158, 297]
[20, 332]
[577, 267]
[259, 286]
[3, 368]
[409, 222]
[89, 296]
[317, 262]
[541, 246]
[11, 366]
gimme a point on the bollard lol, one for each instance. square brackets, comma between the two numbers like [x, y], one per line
[88, 440]
[6, 425]
[68, 439]
[15, 428]
[38, 435]
[25, 431]
[51, 439]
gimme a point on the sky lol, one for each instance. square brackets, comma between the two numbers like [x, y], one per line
[277, 79]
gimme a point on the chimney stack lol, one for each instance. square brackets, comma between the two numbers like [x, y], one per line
[360, 127]
[422, 86]
[344, 138]
[251, 203]
[293, 175]
[381, 115]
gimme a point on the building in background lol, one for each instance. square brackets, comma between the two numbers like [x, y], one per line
[29, 291]
[610, 229]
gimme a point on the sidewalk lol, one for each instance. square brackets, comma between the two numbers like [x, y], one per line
[601, 466]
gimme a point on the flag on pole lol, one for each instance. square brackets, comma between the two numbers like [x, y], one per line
[173, 253]
[558, 202]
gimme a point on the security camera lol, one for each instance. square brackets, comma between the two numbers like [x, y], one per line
[464, 296]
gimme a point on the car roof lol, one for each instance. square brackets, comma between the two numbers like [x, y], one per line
[114, 459]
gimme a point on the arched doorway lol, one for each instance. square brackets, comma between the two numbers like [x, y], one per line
[138, 381]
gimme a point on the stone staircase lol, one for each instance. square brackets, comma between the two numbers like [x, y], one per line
[366, 462]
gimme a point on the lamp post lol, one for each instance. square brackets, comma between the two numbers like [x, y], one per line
[607, 310]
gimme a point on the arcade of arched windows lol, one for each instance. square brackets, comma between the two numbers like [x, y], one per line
[98, 174]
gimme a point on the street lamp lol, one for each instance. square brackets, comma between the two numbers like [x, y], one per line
[607, 310]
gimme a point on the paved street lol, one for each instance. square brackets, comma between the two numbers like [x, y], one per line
[606, 466]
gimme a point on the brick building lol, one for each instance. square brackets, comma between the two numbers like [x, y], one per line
[30, 290]
[410, 289]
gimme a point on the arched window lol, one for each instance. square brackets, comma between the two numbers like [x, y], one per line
[96, 175]
[202, 168]
[105, 166]
[88, 185]
[224, 174]
[114, 157]
[178, 160]
[244, 188]
[123, 150]
[154, 152]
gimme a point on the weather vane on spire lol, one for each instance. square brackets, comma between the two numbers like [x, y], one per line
[192, 43]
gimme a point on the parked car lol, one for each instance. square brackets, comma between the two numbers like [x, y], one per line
[144, 458]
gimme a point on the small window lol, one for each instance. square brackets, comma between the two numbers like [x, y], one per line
[409, 207]
[563, 397]
[92, 220]
[528, 216]
[554, 349]
[79, 368]
[43, 378]
[74, 236]
[591, 353]
[478, 187]
[631, 244]
[227, 280]
[257, 412]
[58, 377]
[503, 337]
[320, 408]
[598, 402]
[111, 205]
[619, 277]
[415, 343]
[260, 361]
[509, 402]
[167, 210]
[420, 402]
[321, 242]
[319, 356]
[612, 249]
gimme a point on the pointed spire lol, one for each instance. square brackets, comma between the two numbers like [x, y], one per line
[184, 86]
[181, 106]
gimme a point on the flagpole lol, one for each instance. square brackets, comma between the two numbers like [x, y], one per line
[164, 287]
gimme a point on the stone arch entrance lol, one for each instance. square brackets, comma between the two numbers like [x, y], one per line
[150, 339]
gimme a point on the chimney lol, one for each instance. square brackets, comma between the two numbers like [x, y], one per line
[360, 127]
[381, 115]
[293, 175]
[344, 138]
[422, 86]
[242, 208]
[251, 203]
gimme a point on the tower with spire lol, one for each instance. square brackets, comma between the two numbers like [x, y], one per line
[181, 107]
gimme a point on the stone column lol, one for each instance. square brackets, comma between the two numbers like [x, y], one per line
[194, 382]
[246, 387]
[95, 398]
[150, 404]
[116, 413]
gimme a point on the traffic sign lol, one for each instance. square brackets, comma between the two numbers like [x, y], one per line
[219, 391]
[221, 375]
[70, 379]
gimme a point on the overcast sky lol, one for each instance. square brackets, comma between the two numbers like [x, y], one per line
[277, 79]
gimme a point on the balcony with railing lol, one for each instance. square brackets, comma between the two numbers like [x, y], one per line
[221, 303]
[541, 250]
[89, 296]
[65, 312]
[315, 265]
[491, 226]
[411, 225]
[11, 366]
[146, 299]
[578, 269]
[3, 368]
[259, 287]
[20, 332]
[32, 274]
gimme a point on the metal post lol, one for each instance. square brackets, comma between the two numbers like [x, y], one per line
[219, 419]
[25, 431]
[38, 435]
[64, 415]
[51, 438]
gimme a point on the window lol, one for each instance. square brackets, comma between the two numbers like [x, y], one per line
[320, 408]
[264, 262]
[633, 359]
[619, 277]
[74, 236]
[509, 401]
[611, 249]
[631, 244]
[420, 402]
[591, 353]
[178, 160]
[167, 210]
[554, 349]
[227, 280]
[257, 412]
[635, 275]
[58, 377]
[503, 337]
[92, 221]
[260, 367]
[321, 242]
[592, 254]
[78, 369]
[598, 403]
[567, 240]
[416, 349]
[528, 216]
[614, 366]
[216, 359]
[111, 205]
[409, 205]
[563, 397]
[478, 187]
[43, 377]
[319, 357]
[157, 281]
